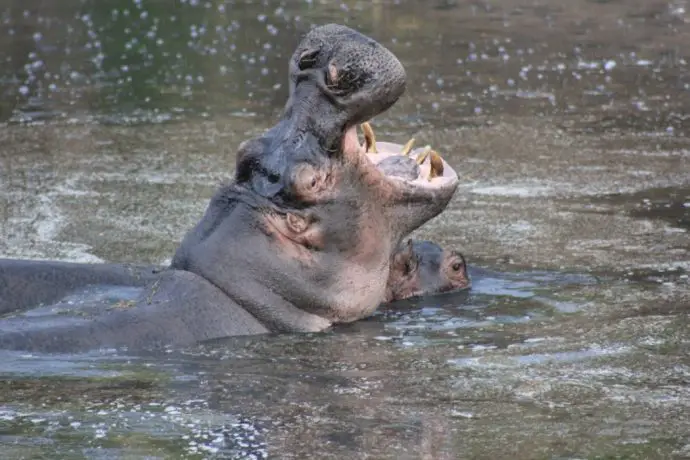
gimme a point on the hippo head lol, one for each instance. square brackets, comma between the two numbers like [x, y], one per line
[304, 235]
[425, 268]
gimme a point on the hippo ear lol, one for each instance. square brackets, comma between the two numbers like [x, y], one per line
[409, 250]
[404, 260]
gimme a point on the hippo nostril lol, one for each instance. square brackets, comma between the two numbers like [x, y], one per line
[332, 78]
[343, 81]
[307, 59]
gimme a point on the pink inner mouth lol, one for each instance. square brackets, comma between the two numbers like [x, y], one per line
[352, 146]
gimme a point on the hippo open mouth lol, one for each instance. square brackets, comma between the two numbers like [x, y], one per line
[421, 167]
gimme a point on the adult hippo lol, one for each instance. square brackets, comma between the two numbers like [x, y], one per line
[299, 240]
[420, 268]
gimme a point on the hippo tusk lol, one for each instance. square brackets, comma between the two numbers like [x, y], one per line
[406, 149]
[422, 156]
[369, 138]
[436, 163]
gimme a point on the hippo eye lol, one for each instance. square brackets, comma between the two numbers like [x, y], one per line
[457, 266]
[308, 181]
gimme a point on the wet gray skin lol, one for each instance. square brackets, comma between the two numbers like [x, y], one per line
[567, 121]
[420, 268]
[27, 283]
[300, 240]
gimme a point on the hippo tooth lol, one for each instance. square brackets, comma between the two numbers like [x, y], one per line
[422, 156]
[407, 147]
[369, 137]
[436, 163]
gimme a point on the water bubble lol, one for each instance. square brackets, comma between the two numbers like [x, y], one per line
[23, 90]
[609, 65]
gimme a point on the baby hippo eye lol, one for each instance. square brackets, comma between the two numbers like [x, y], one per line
[458, 265]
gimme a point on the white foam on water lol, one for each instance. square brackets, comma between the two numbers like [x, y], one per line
[519, 191]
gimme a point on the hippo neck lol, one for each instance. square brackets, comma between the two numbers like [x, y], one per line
[283, 291]
[242, 268]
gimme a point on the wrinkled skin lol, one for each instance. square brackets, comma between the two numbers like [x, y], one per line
[303, 236]
[420, 268]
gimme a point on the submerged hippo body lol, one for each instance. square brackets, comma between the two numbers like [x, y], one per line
[28, 283]
[421, 268]
[302, 237]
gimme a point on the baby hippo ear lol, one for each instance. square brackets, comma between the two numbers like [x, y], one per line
[404, 261]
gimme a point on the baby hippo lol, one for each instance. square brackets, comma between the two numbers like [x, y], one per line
[424, 268]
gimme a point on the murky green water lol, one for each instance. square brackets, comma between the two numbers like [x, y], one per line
[568, 123]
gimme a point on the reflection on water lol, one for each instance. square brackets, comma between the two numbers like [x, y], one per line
[129, 61]
[567, 122]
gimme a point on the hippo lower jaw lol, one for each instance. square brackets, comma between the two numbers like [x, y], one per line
[419, 193]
